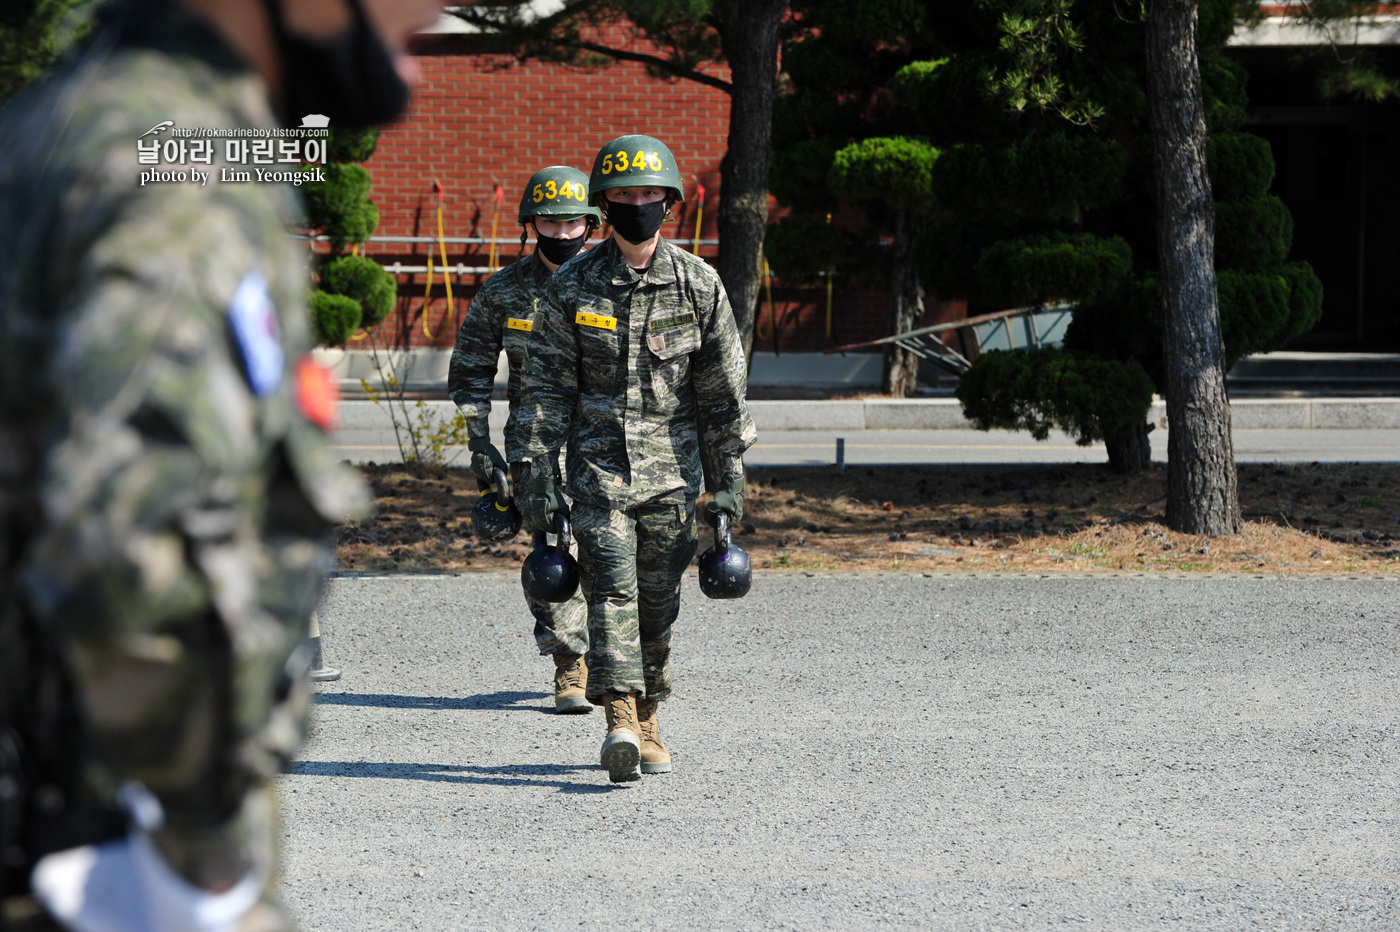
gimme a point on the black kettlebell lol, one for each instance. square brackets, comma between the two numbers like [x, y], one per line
[724, 568]
[550, 574]
[495, 517]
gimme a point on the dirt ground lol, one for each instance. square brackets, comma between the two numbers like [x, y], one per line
[1298, 519]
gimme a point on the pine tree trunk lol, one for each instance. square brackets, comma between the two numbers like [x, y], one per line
[1130, 452]
[750, 42]
[1202, 484]
[901, 367]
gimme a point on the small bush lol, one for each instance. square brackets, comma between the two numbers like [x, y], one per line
[366, 282]
[340, 205]
[798, 178]
[798, 251]
[1252, 235]
[334, 318]
[348, 145]
[895, 170]
[1241, 166]
[1254, 312]
[1304, 299]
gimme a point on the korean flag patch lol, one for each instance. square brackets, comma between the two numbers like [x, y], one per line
[254, 322]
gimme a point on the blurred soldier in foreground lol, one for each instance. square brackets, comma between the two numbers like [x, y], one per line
[555, 202]
[638, 367]
[166, 489]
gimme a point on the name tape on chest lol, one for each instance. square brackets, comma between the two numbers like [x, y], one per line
[515, 323]
[584, 319]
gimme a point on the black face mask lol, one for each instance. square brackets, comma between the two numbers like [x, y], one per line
[557, 249]
[350, 78]
[636, 223]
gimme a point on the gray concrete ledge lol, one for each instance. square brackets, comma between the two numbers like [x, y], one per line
[946, 414]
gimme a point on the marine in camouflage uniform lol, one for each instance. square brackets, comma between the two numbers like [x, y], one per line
[502, 317]
[640, 372]
[165, 497]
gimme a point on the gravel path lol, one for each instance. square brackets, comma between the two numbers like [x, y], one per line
[868, 751]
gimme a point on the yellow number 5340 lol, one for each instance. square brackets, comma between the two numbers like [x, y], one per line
[549, 191]
[637, 161]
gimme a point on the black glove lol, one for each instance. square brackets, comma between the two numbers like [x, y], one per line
[729, 498]
[543, 500]
[486, 459]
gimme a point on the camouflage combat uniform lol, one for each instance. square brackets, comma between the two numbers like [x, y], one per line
[165, 503]
[498, 318]
[650, 407]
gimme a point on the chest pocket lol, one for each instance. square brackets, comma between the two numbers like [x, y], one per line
[600, 346]
[671, 337]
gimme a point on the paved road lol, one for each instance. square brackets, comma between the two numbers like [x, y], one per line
[877, 751]
[870, 447]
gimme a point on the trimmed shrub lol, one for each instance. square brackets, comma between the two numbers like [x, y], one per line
[1222, 86]
[348, 145]
[1241, 166]
[798, 178]
[1049, 177]
[1254, 312]
[1252, 235]
[1034, 269]
[1091, 397]
[1304, 299]
[897, 171]
[951, 97]
[340, 205]
[334, 318]
[798, 251]
[364, 281]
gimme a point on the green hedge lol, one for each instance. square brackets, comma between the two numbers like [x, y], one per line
[334, 318]
[364, 281]
[1058, 266]
[1091, 397]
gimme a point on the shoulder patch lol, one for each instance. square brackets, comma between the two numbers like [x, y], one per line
[253, 320]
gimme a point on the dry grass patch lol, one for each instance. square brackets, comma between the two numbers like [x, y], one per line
[1305, 518]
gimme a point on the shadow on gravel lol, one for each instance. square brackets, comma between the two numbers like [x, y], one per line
[507, 775]
[505, 700]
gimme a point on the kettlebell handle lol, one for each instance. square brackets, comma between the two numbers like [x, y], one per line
[563, 533]
[722, 538]
[503, 490]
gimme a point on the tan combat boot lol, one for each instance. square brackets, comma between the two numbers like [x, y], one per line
[655, 757]
[622, 748]
[570, 682]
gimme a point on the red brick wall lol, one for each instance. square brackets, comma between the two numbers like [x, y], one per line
[480, 120]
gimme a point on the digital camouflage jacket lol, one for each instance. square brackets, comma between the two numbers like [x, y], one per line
[642, 375]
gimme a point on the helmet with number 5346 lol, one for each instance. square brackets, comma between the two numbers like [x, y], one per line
[635, 162]
[558, 193]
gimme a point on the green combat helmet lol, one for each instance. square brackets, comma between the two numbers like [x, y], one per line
[634, 162]
[559, 193]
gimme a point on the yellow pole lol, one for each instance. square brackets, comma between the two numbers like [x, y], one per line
[699, 215]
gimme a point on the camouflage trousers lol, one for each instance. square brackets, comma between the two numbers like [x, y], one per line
[561, 627]
[630, 568]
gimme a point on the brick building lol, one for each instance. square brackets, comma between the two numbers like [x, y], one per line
[480, 124]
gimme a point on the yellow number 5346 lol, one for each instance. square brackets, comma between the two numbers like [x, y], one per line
[637, 161]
